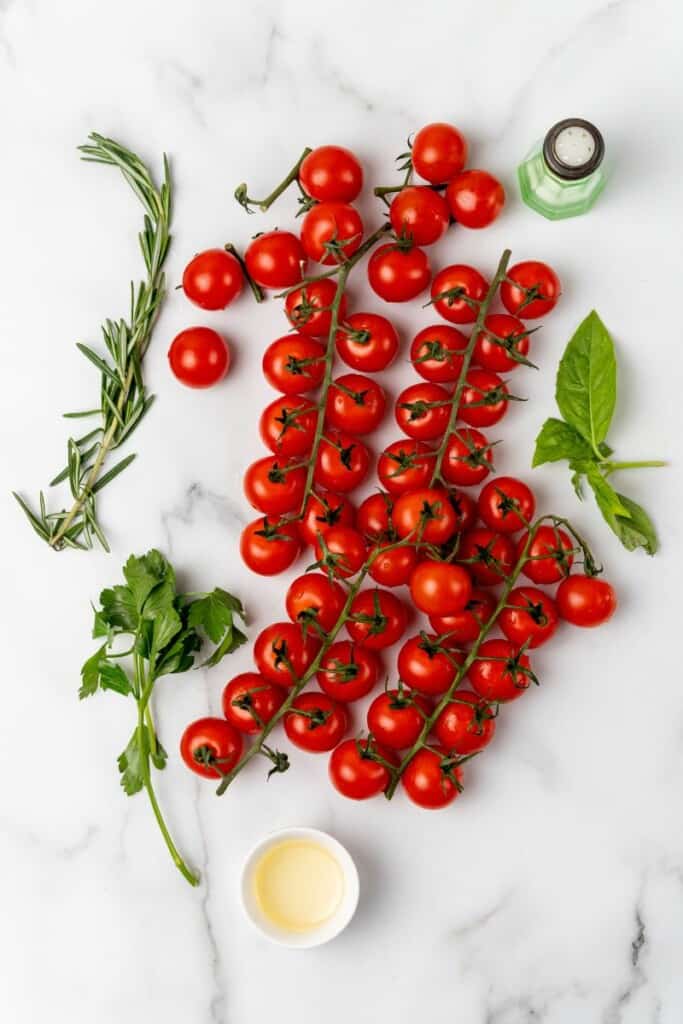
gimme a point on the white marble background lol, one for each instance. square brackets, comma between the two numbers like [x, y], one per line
[553, 890]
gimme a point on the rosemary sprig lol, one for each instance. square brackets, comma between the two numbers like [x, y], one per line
[123, 397]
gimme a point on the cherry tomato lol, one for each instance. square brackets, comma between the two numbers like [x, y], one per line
[211, 747]
[439, 151]
[432, 778]
[440, 588]
[343, 462]
[331, 232]
[423, 411]
[373, 518]
[294, 364]
[398, 271]
[316, 723]
[392, 566]
[489, 556]
[456, 292]
[314, 600]
[429, 506]
[323, 511]
[367, 342]
[345, 552]
[467, 459]
[530, 617]
[213, 279]
[268, 547]
[331, 172]
[464, 627]
[273, 487]
[250, 701]
[308, 308]
[437, 353]
[396, 717]
[355, 404]
[466, 725]
[405, 465]
[475, 198]
[484, 398]
[287, 426]
[506, 504]
[348, 672]
[502, 344]
[377, 619]
[420, 214]
[549, 557]
[199, 357]
[284, 651]
[355, 772]
[425, 666]
[275, 259]
[501, 672]
[530, 290]
[585, 600]
[465, 509]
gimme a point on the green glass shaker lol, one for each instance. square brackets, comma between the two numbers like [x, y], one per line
[563, 175]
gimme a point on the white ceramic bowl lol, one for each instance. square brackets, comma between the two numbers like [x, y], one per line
[332, 927]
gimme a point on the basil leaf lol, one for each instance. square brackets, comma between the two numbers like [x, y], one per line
[558, 440]
[607, 498]
[638, 530]
[586, 387]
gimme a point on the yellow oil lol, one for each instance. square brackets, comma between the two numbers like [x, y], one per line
[298, 885]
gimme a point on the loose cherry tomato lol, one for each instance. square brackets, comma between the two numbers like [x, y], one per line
[212, 279]
[396, 717]
[475, 198]
[398, 271]
[489, 556]
[464, 627]
[437, 353]
[348, 672]
[367, 342]
[268, 547]
[405, 465]
[429, 506]
[530, 617]
[331, 232]
[392, 566]
[275, 259]
[250, 701]
[331, 172]
[432, 779]
[466, 725]
[467, 459]
[343, 462]
[502, 344]
[199, 357]
[426, 666]
[440, 588]
[355, 771]
[316, 723]
[423, 410]
[377, 619]
[484, 398]
[211, 747]
[273, 487]
[531, 289]
[313, 601]
[284, 651]
[323, 511]
[309, 308]
[549, 557]
[465, 509]
[456, 293]
[355, 404]
[585, 600]
[439, 151]
[501, 672]
[506, 504]
[344, 552]
[420, 214]
[373, 518]
[287, 426]
[294, 364]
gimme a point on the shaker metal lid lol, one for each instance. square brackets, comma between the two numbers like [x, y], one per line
[573, 148]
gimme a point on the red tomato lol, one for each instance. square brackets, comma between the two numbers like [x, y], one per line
[294, 364]
[502, 344]
[465, 509]
[432, 779]
[343, 462]
[355, 404]
[426, 514]
[549, 557]
[398, 272]
[405, 465]
[529, 618]
[396, 718]
[423, 411]
[501, 672]
[355, 771]
[273, 487]
[211, 747]
[466, 725]
[275, 259]
[213, 279]
[287, 426]
[585, 600]
[392, 566]
[489, 556]
[475, 198]
[439, 151]
[283, 652]
[250, 701]
[373, 518]
[323, 511]
[457, 292]
[268, 547]
[437, 353]
[440, 588]
[367, 342]
[426, 666]
[348, 672]
[531, 289]
[331, 172]
[309, 308]
[199, 357]
[377, 619]
[467, 459]
[420, 214]
[344, 552]
[484, 398]
[316, 601]
[464, 627]
[316, 723]
[331, 232]
[506, 504]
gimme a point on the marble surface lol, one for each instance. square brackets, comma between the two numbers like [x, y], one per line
[553, 890]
